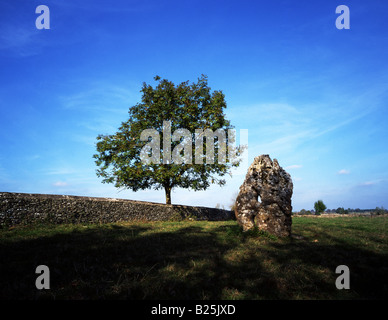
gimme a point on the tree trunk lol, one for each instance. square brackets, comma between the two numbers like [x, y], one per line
[168, 194]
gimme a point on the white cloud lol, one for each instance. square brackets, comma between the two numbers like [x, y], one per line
[368, 183]
[60, 171]
[60, 184]
[294, 166]
[343, 171]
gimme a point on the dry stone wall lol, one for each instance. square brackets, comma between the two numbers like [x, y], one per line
[23, 208]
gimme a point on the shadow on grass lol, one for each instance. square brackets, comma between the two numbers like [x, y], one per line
[140, 262]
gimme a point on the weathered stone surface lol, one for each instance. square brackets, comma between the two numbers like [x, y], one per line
[264, 199]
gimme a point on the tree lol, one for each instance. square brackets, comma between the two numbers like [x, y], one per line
[219, 206]
[380, 210]
[232, 205]
[319, 207]
[187, 111]
[340, 210]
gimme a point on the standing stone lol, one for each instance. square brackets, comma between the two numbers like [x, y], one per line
[264, 199]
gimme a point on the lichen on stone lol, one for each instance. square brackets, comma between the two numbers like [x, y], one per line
[264, 200]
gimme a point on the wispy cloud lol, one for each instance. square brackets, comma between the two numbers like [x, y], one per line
[21, 41]
[369, 183]
[373, 182]
[102, 106]
[60, 171]
[3, 173]
[60, 184]
[99, 6]
[100, 97]
[343, 171]
[283, 127]
[18, 35]
[294, 166]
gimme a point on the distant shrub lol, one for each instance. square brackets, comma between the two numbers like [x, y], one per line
[380, 211]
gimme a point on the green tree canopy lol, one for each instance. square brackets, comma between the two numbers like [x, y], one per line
[319, 207]
[185, 106]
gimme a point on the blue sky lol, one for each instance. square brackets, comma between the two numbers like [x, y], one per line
[312, 96]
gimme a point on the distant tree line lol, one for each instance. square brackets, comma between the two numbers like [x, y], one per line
[320, 208]
[377, 211]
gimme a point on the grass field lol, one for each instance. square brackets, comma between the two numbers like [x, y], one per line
[196, 260]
